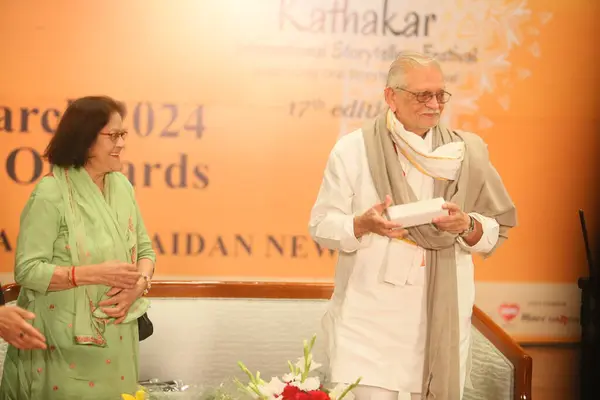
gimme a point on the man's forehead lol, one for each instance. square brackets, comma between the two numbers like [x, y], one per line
[425, 78]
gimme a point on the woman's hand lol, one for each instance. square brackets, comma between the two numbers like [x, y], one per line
[117, 274]
[15, 329]
[120, 301]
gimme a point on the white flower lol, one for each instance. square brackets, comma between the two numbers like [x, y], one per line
[312, 383]
[289, 377]
[338, 390]
[302, 362]
[272, 389]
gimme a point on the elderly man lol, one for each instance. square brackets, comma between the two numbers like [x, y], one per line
[400, 315]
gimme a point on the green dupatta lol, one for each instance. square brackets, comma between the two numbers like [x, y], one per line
[101, 228]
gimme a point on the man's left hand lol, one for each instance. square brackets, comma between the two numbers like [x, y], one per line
[455, 222]
[120, 301]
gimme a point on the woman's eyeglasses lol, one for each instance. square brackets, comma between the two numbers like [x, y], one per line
[115, 135]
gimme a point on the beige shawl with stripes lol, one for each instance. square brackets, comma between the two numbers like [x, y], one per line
[478, 188]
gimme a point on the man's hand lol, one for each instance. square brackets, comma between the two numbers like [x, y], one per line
[15, 329]
[373, 221]
[455, 222]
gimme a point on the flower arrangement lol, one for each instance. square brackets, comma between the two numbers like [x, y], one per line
[139, 395]
[295, 385]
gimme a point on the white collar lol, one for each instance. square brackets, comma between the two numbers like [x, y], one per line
[441, 163]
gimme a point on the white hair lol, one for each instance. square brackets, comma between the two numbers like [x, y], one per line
[405, 61]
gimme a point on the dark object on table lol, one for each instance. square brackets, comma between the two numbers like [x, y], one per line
[590, 322]
[154, 385]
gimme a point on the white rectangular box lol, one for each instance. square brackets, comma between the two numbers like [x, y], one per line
[417, 213]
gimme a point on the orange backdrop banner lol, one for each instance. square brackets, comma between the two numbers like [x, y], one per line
[234, 105]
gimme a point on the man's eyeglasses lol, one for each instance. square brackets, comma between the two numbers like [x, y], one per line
[442, 96]
[115, 135]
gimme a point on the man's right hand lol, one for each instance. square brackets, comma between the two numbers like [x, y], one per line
[17, 331]
[373, 221]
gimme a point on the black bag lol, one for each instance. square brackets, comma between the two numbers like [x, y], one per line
[145, 327]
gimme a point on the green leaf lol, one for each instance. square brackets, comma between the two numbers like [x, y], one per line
[349, 388]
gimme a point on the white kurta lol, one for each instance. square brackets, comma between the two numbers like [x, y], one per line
[374, 329]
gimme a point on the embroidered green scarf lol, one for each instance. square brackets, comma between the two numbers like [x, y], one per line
[101, 228]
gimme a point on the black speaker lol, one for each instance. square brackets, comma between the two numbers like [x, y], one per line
[589, 370]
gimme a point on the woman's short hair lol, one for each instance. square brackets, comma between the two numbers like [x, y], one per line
[78, 130]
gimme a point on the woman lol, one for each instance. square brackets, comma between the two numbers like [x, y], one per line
[84, 261]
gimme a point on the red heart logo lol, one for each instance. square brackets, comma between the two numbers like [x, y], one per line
[508, 311]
